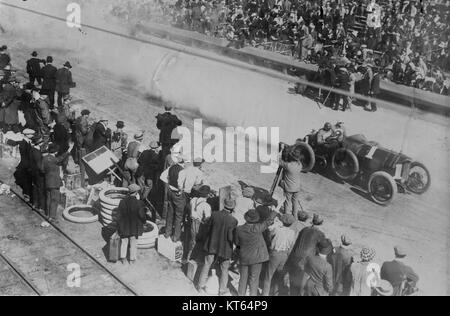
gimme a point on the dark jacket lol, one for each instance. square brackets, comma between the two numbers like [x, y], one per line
[102, 136]
[4, 60]
[48, 74]
[61, 138]
[34, 67]
[166, 123]
[131, 217]
[149, 164]
[305, 246]
[219, 233]
[25, 154]
[320, 274]
[51, 170]
[396, 272]
[250, 241]
[340, 261]
[64, 80]
[81, 130]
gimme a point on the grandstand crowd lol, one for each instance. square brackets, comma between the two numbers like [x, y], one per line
[406, 40]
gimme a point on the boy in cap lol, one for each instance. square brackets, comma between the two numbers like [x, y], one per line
[219, 245]
[130, 223]
[282, 241]
[199, 216]
[402, 277]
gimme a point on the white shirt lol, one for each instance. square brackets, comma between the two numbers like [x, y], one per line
[189, 177]
[201, 210]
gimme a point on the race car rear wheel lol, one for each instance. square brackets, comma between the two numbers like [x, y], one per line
[382, 187]
[419, 179]
[309, 158]
[345, 164]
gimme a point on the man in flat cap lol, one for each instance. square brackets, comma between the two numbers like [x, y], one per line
[319, 272]
[64, 82]
[401, 276]
[81, 129]
[34, 68]
[101, 135]
[341, 260]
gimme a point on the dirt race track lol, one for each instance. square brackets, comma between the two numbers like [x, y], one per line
[419, 223]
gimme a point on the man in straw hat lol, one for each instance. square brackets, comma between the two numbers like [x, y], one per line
[401, 276]
[318, 271]
[305, 246]
[219, 245]
[291, 180]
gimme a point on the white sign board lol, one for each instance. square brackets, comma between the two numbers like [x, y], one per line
[101, 160]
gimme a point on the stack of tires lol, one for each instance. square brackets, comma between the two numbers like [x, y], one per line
[109, 201]
[148, 239]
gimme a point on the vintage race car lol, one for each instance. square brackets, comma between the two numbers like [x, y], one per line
[382, 172]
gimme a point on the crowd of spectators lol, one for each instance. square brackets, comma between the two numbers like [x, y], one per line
[408, 40]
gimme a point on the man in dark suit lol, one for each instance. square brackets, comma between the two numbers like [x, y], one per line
[64, 82]
[402, 277]
[166, 123]
[34, 68]
[253, 250]
[219, 245]
[51, 170]
[48, 74]
[5, 59]
[102, 135]
[319, 272]
[341, 260]
[37, 177]
[305, 246]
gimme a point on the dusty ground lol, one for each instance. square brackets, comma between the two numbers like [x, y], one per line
[419, 223]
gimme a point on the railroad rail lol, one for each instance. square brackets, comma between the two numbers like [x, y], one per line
[11, 276]
[55, 253]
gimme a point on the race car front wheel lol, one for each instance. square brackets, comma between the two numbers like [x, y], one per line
[382, 187]
[345, 164]
[419, 179]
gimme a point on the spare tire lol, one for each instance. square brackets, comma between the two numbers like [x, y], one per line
[113, 196]
[345, 164]
[309, 158]
[148, 238]
[67, 214]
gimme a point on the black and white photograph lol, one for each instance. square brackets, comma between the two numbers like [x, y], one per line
[224, 152]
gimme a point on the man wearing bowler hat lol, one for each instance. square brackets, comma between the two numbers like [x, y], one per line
[402, 277]
[34, 68]
[64, 82]
[219, 245]
[48, 74]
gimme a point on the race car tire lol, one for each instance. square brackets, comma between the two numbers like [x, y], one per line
[67, 214]
[385, 194]
[148, 239]
[106, 216]
[108, 206]
[409, 182]
[113, 196]
[345, 169]
[309, 159]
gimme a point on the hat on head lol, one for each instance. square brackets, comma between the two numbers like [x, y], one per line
[67, 64]
[287, 219]
[34, 54]
[134, 188]
[120, 124]
[252, 217]
[154, 145]
[4, 47]
[325, 247]
[204, 191]
[53, 148]
[384, 288]
[49, 59]
[85, 112]
[198, 162]
[317, 220]
[303, 216]
[139, 136]
[367, 254]
[346, 240]
[229, 204]
[399, 252]
[167, 108]
[28, 132]
[248, 192]
[265, 200]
